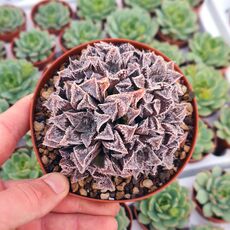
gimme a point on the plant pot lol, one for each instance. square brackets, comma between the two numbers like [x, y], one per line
[129, 215]
[57, 64]
[222, 146]
[166, 38]
[39, 64]
[9, 36]
[52, 31]
[200, 211]
[198, 8]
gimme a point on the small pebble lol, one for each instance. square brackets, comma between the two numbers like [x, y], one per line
[38, 126]
[147, 183]
[120, 195]
[83, 192]
[74, 187]
[81, 183]
[135, 190]
[184, 126]
[118, 180]
[121, 186]
[127, 196]
[94, 186]
[182, 155]
[189, 108]
[128, 179]
[52, 155]
[56, 168]
[45, 159]
[186, 148]
[104, 196]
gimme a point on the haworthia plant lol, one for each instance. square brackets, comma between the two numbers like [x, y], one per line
[149, 5]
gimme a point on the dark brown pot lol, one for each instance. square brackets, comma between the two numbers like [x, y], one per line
[51, 71]
[39, 64]
[222, 146]
[166, 38]
[129, 215]
[52, 31]
[200, 211]
[9, 36]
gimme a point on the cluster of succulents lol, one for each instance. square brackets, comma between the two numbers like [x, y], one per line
[11, 18]
[205, 141]
[176, 19]
[81, 32]
[149, 5]
[94, 111]
[52, 15]
[22, 165]
[134, 24]
[209, 87]
[171, 51]
[212, 190]
[2, 51]
[223, 124]
[212, 51]
[34, 45]
[122, 219]
[95, 9]
[169, 209]
[17, 79]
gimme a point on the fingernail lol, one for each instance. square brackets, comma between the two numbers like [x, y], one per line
[56, 182]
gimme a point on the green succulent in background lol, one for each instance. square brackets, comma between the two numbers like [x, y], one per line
[167, 210]
[209, 87]
[149, 5]
[95, 9]
[135, 24]
[223, 124]
[22, 165]
[81, 32]
[176, 19]
[171, 51]
[34, 45]
[212, 51]
[204, 143]
[2, 51]
[213, 193]
[11, 18]
[122, 219]
[4, 105]
[206, 227]
[28, 140]
[52, 15]
[17, 79]
[194, 3]
[191, 70]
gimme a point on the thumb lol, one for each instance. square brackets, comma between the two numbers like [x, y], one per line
[26, 201]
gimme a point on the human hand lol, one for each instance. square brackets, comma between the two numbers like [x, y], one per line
[43, 204]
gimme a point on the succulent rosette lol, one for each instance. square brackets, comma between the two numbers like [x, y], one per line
[122, 219]
[149, 5]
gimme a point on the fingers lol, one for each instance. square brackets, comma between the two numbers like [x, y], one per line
[14, 123]
[30, 200]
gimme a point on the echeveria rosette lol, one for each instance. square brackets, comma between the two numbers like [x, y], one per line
[17, 79]
[2, 51]
[171, 51]
[209, 87]
[167, 210]
[212, 51]
[22, 165]
[80, 32]
[213, 193]
[95, 9]
[206, 227]
[52, 15]
[176, 19]
[110, 111]
[149, 5]
[11, 18]
[134, 24]
[205, 141]
[122, 219]
[34, 45]
[223, 124]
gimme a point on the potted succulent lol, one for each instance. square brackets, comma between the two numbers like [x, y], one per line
[171, 51]
[52, 15]
[206, 142]
[206, 227]
[149, 5]
[124, 218]
[21, 165]
[135, 24]
[79, 32]
[212, 195]
[91, 119]
[95, 10]
[195, 4]
[209, 87]
[2, 51]
[212, 51]
[169, 209]
[12, 22]
[177, 22]
[17, 79]
[35, 46]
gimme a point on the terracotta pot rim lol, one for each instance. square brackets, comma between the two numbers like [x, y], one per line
[43, 2]
[65, 57]
[38, 64]
[200, 211]
[128, 214]
[143, 227]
